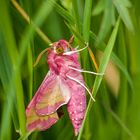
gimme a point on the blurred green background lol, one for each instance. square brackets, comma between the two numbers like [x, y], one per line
[112, 29]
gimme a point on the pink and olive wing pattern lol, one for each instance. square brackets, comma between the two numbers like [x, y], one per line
[37, 122]
[41, 112]
[54, 95]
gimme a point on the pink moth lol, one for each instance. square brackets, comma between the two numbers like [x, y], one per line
[63, 85]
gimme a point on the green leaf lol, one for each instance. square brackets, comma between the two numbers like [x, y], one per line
[116, 60]
[25, 136]
[106, 57]
[102, 68]
[87, 18]
[107, 21]
[121, 7]
[100, 6]
[76, 15]
[64, 13]
[121, 66]
[120, 122]
[14, 82]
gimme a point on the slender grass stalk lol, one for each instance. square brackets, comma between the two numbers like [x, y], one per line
[76, 15]
[120, 122]
[133, 49]
[106, 21]
[123, 93]
[117, 61]
[65, 14]
[15, 82]
[5, 72]
[27, 18]
[124, 14]
[106, 56]
[122, 67]
[87, 17]
[30, 69]
[102, 67]
[86, 31]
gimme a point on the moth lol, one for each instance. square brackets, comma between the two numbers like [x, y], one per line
[63, 85]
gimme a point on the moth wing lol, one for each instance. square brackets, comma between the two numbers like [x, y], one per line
[52, 94]
[36, 122]
[55, 94]
[41, 88]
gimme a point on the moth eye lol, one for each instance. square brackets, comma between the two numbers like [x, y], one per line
[59, 50]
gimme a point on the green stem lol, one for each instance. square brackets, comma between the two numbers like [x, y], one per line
[87, 17]
[122, 97]
[76, 15]
[15, 81]
[102, 68]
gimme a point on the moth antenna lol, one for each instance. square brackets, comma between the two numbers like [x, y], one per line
[82, 86]
[80, 70]
[40, 55]
[72, 52]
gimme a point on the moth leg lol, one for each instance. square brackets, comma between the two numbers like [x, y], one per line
[71, 78]
[90, 72]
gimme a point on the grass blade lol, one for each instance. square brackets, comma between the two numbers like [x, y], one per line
[107, 21]
[123, 12]
[87, 17]
[116, 60]
[13, 54]
[102, 67]
[120, 122]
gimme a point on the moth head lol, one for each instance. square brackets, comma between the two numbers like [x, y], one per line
[61, 47]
